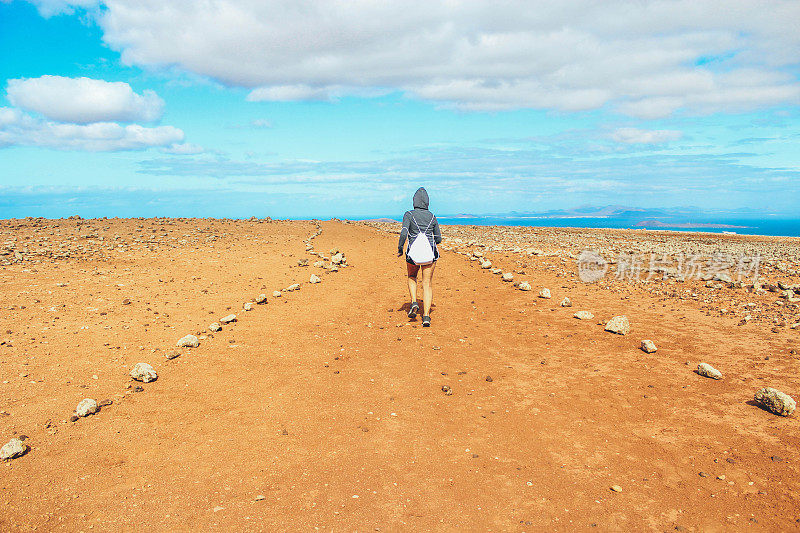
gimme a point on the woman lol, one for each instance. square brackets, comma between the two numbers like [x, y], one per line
[419, 222]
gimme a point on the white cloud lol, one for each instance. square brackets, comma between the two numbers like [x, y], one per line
[261, 123]
[288, 93]
[48, 8]
[648, 59]
[184, 149]
[84, 100]
[17, 128]
[637, 136]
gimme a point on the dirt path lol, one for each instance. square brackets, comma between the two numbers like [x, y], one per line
[328, 403]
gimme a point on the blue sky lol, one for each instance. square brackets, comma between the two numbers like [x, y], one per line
[244, 107]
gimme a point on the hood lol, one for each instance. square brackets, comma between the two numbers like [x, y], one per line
[421, 199]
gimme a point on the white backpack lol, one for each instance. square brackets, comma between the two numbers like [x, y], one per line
[420, 250]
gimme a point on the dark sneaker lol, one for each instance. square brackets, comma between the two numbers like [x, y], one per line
[426, 322]
[412, 313]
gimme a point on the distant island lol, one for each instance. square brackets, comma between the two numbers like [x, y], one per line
[685, 225]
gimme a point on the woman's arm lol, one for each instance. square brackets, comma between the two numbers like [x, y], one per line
[404, 232]
[437, 233]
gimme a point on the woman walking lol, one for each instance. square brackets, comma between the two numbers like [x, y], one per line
[421, 229]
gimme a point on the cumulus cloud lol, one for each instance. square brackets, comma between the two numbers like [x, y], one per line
[184, 149]
[17, 128]
[648, 59]
[638, 136]
[84, 100]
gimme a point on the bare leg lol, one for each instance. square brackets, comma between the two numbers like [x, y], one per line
[427, 288]
[412, 281]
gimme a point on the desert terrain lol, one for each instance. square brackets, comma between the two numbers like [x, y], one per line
[326, 408]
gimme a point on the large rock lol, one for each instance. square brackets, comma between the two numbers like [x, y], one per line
[704, 369]
[776, 401]
[144, 373]
[262, 299]
[228, 319]
[486, 265]
[12, 449]
[648, 346]
[189, 341]
[619, 325]
[566, 302]
[524, 286]
[86, 407]
[508, 276]
[583, 315]
[337, 258]
[214, 326]
[544, 293]
[314, 279]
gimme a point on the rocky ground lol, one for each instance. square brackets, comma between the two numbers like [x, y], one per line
[184, 374]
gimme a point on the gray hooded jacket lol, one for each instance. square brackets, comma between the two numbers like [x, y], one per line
[417, 220]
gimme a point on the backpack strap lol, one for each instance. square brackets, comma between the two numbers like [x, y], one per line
[420, 227]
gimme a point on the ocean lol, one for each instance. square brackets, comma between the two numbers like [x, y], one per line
[774, 227]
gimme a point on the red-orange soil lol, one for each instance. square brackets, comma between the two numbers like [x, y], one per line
[323, 409]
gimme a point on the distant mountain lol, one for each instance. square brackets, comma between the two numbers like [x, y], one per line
[609, 211]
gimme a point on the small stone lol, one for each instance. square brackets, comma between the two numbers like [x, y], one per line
[248, 306]
[214, 326]
[260, 497]
[489, 379]
[721, 477]
[524, 286]
[292, 287]
[447, 390]
[619, 325]
[648, 346]
[106, 403]
[314, 279]
[86, 407]
[144, 372]
[702, 474]
[704, 369]
[261, 299]
[544, 293]
[486, 265]
[173, 354]
[616, 488]
[583, 315]
[228, 319]
[337, 258]
[73, 418]
[277, 294]
[566, 302]
[189, 341]
[126, 301]
[508, 276]
[776, 401]
[13, 449]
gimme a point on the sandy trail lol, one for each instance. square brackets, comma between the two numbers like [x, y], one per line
[328, 403]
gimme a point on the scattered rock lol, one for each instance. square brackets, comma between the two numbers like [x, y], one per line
[144, 373]
[447, 390]
[704, 369]
[314, 279]
[248, 306]
[616, 488]
[776, 401]
[619, 325]
[292, 287]
[489, 379]
[524, 286]
[228, 319]
[13, 449]
[189, 341]
[544, 293]
[106, 403]
[262, 299]
[260, 497]
[215, 327]
[648, 346]
[486, 265]
[277, 294]
[508, 276]
[337, 258]
[86, 407]
[173, 354]
[583, 315]
[566, 302]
